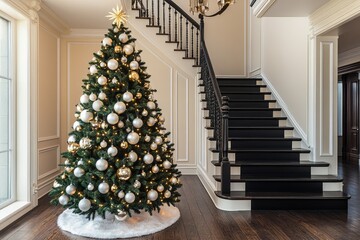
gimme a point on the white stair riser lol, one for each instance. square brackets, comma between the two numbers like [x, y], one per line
[335, 186]
[319, 171]
[304, 156]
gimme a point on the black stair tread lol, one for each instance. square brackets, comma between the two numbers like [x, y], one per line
[267, 163]
[154, 26]
[313, 178]
[244, 85]
[259, 128]
[259, 139]
[236, 92]
[252, 118]
[247, 100]
[148, 18]
[162, 34]
[191, 58]
[242, 195]
[171, 42]
[238, 79]
[250, 109]
[178, 50]
[293, 150]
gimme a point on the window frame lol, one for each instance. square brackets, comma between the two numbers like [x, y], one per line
[12, 110]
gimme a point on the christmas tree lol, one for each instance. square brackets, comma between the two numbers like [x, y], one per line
[119, 157]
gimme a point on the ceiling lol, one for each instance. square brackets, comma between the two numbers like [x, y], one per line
[88, 14]
[294, 8]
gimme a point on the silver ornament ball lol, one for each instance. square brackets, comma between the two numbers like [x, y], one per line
[112, 151]
[84, 98]
[112, 118]
[148, 158]
[70, 190]
[84, 205]
[160, 188]
[133, 138]
[102, 164]
[93, 69]
[133, 156]
[119, 107]
[79, 172]
[128, 49]
[106, 42]
[103, 187]
[167, 164]
[63, 200]
[121, 194]
[134, 65]
[130, 197]
[152, 195]
[93, 97]
[86, 116]
[102, 80]
[128, 96]
[137, 123]
[71, 139]
[90, 186]
[102, 96]
[123, 37]
[112, 64]
[155, 169]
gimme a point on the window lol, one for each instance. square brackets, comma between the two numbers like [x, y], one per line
[6, 130]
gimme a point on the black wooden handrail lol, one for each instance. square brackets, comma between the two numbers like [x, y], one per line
[182, 12]
[252, 3]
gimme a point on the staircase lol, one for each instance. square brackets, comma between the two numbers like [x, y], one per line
[275, 169]
[266, 161]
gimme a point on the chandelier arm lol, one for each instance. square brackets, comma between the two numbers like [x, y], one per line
[219, 12]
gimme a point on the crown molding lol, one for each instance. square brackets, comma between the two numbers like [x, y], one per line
[261, 7]
[50, 17]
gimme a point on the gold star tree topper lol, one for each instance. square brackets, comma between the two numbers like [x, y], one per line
[118, 15]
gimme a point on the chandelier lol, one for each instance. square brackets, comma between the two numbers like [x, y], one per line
[202, 6]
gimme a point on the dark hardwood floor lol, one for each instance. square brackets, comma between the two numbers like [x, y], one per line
[201, 220]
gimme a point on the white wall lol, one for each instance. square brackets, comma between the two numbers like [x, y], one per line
[284, 63]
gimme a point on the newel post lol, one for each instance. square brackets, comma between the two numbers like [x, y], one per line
[225, 164]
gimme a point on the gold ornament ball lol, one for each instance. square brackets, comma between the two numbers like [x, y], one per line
[78, 128]
[146, 85]
[73, 147]
[134, 76]
[87, 86]
[104, 125]
[114, 188]
[118, 49]
[124, 145]
[138, 95]
[77, 115]
[123, 173]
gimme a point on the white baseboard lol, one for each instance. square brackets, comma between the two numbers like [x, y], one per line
[286, 111]
[187, 170]
[220, 203]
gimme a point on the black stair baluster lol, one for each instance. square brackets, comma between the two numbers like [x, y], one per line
[152, 14]
[192, 41]
[187, 40]
[169, 23]
[176, 27]
[197, 48]
[181, 32]
[147, 8]
[164, 32]
[158, 12]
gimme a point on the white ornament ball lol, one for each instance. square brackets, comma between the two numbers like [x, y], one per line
[119, 107]
[153, 113]
[123, 37]
[152, 195]
[144, 113]
[121, 194]
[84, 205]
[124, 59]
[103, 187]
[153, 146]
[112, 118]
[155, 169]
[112, 64]
[102, 64]
[129, 197]
[138, 58]
[86, 116]
[63, 200]
[93, 97]
[167, 164]
[102, 80]
[103, 144]
[147, 138]
[151, 121]
[106, 42]
[100, 53]
[90, 186]
[71, 139]
[158, 140]
[148, 158]
[101, 164]
[128, 49]
[127, 97]
[79, 108]
[121, 216]
[137, 184]
[133, 138]
[116, 30]
[158, 158]
[167, 194]
[102, 96]
[70, 190]
[93, 69]
[67, 162]
[121, 124]
[161, 118]
[80, 162]
[112, 151]
[137, 122]
[133, 156]
[173, 180]
[160, 188]
[151, 105]
[97, 105]
[84, 98]
[134, 65]
[79, 172]
[128, 130]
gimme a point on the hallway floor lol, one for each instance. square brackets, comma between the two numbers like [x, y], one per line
[201, 220]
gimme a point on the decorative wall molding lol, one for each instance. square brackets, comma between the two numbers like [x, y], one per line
[48, 149]
[333, 14]
[350, 56]
[261, 7]
[58, 86]
[286, 111]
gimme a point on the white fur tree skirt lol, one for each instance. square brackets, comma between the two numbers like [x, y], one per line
[137, 225]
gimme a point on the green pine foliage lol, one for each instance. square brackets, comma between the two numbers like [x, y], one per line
[94, 133]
